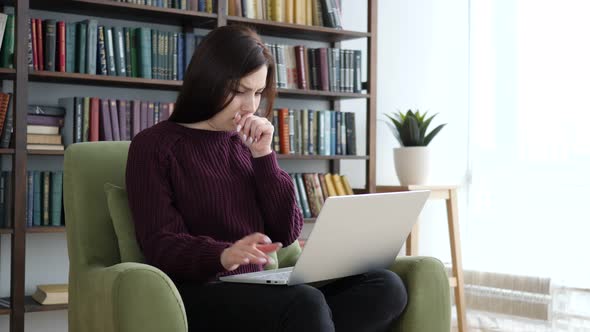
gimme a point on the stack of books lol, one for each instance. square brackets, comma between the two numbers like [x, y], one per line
[44, 125]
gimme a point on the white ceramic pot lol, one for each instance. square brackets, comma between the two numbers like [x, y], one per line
[412, 164]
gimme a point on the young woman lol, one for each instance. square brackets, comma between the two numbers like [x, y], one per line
[208, 199]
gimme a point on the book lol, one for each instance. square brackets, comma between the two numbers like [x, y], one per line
[46, 110]
[330, 185]
[7, 132]
[4, 103]
[346, 184]
[43, 120]
[51, 294]
[37, 198]
[44, 130]
[46, 179]
[339, 185]
[30, 197]
[51, 147]
[303, 195]
[56, 194]
[3, 20]
[43, 139]
[7, 49]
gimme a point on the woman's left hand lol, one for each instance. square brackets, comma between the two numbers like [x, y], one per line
[256, 132]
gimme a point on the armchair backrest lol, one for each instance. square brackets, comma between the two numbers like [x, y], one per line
[90, 234]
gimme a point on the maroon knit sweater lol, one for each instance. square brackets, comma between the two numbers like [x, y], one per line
[193, 193]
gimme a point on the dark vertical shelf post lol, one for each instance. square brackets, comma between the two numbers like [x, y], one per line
[335, 107]
[371, 171]
[19, 168]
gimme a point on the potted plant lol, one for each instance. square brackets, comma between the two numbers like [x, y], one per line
[412, 158]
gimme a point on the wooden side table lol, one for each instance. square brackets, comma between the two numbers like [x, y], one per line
[449, 194]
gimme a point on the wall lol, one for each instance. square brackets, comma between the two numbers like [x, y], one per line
[423, 64]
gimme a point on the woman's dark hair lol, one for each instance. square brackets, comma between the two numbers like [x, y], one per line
[226, 55]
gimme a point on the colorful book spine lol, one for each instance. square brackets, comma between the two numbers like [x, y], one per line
[30, 197]
[45, 212]
[56, 198]
[81, 35]
[71, 47]
[49, 41]
[92, 45]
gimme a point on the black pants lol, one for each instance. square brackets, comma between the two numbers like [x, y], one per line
[366, 302]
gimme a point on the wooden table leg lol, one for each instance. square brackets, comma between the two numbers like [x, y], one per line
[457, 268]
[412, 241]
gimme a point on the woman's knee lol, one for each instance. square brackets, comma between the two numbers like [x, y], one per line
[393, 286]
[308, 311]
[309, 297]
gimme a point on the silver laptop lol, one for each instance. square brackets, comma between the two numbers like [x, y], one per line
[352, 235]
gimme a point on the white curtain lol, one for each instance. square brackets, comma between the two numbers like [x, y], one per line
[529, 194]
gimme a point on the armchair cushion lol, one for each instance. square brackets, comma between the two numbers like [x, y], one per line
[123, 224]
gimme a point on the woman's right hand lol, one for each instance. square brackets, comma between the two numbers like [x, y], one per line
[252, 249]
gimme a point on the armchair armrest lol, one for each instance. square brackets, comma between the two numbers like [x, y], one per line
[131, 297]
[429, 302]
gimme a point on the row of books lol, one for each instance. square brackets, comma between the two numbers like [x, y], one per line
[310, 132]
[327, 69]
[87, 47]
[308, 12]
[7, 40]
[44, 198]
[312, 189]
[90, 119]
[206, 6]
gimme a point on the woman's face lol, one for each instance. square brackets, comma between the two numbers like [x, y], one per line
[246, 100]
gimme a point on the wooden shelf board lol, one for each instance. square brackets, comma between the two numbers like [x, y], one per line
[299, 93]
[6, 231]
[46, 229]
[316, 157]
[129, 12]
[32, 306]
[298, 31]
[103, 80]
[45, 152]
[7, 74]
[6, 151]
[145, 83]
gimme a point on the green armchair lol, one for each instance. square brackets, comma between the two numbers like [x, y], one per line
[106, 294]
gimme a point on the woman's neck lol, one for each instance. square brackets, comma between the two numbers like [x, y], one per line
[203, 125]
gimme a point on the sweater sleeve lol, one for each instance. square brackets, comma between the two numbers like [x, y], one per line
[159, 227]
[282, 217]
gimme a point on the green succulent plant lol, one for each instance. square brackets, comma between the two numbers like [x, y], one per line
[410, 127]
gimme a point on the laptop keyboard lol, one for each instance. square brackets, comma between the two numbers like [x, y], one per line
[275, 276]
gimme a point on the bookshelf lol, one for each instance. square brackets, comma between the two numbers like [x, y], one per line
[21, 303]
